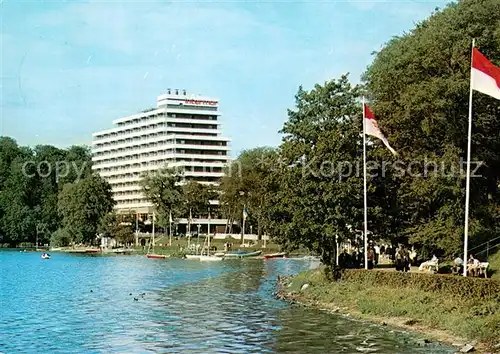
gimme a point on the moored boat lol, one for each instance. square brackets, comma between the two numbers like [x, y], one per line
[275, 255]
[242, 254]
[45, 256]
[192, 256]
[156, 256]
[208, 258]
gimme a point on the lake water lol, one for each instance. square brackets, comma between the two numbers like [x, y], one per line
[83, 304]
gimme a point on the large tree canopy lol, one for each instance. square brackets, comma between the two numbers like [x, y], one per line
[162, 188]
[82, 205]
[317, 193]
[30, 182]
[245, 185]
[419, 87]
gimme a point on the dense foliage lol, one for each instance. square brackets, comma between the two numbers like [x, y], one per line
[245, 185]
[82, 205]
[418, 87]
[316, 191]
[36, 185]
[456, 287]
[309, 192]
[170, 195]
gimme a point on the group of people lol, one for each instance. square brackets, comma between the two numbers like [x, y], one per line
[356, 258]
[401, 256]
[353, 259]
[458, 265]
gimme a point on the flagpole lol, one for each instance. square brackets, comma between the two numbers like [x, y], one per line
[137, 229]
[153, 232]
[467, 183]
[170, 230]
[244, 224]
[189, 229]
[365, 208]
[208, 234]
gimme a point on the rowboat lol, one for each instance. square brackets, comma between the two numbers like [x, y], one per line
[275, 255]
[156, 256]
[242, 254]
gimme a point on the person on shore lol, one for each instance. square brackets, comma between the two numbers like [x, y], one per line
[371, 257]
[398, 262]
[413, 256]
[344, 259]
[457, 266]
[406, 259]
[376, 250]
[402, 259]
[360, 258]
[473, 265]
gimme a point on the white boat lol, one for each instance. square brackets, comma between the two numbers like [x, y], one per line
[209, 258]
[243, 254]
[45, 256]
[192, 256]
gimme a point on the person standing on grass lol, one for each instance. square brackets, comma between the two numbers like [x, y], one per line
[371, 257]
[376, 248]
[406, 259]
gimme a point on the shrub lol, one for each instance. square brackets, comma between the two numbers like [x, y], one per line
[458, 287]
[60, 238]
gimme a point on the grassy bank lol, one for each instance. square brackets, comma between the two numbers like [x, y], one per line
[432, 309]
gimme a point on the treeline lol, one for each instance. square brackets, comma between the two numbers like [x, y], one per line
[175, 198]
[50, 195]
[309, 191]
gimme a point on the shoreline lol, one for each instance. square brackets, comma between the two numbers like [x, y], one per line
[429, 334]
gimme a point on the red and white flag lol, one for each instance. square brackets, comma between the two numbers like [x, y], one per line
[485, 76]
[372, 128]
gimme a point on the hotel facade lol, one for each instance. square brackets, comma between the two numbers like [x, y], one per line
[182, 132]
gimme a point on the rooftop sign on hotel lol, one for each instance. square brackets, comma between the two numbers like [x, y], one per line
[201, 102]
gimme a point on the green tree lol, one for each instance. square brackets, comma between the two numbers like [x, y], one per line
[60, 238]
[163, 189]
[117, 226]
[197, 197]
[419, 86]
[30, 182]
[82, 205]
[314, 196]
[18, 219]
[244, 184]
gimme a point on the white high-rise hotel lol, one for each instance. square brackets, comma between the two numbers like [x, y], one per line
[182, 131]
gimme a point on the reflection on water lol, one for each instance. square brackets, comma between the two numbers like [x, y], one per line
[136, 305]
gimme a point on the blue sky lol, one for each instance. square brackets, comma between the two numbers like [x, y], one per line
[68, 68]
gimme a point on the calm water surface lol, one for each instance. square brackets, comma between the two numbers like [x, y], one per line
[82, 304]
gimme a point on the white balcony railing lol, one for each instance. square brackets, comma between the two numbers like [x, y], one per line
[134, 136]
[127, 129]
